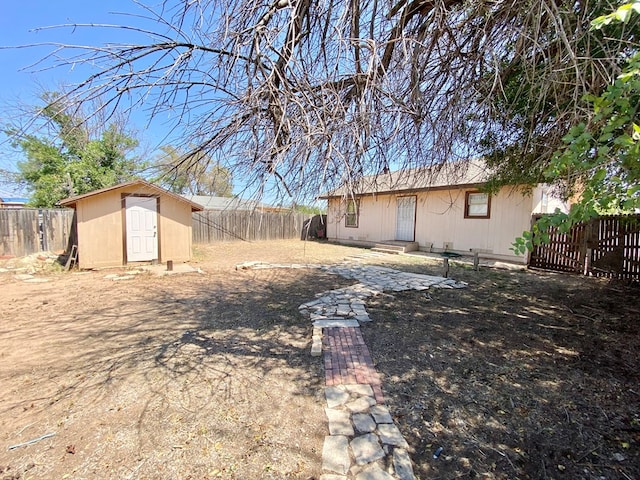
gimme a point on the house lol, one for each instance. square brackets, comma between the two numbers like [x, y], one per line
[231, 204]
[132, 222]
[6, 202]
[436, 209]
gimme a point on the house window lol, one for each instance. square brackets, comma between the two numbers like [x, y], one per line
[477, 205]
[353, 208]
[544, 202]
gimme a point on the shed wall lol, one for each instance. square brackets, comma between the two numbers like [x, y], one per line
[101, 235]
[175, 230]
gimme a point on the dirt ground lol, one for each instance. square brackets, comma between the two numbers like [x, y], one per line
[208, 375]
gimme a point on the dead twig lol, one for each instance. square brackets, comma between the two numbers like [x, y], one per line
[32, 441]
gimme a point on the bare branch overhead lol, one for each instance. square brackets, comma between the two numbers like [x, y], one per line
[318, 94]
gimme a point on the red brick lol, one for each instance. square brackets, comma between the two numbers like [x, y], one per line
[361, 374]
[329, 377]
[377, 393]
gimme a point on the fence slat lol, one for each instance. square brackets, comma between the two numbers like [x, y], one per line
[211, 226]
[24, 231]
[612, 243]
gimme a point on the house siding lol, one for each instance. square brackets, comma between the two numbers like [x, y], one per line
[440, 222]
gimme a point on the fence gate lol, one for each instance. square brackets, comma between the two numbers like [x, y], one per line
[607, 246]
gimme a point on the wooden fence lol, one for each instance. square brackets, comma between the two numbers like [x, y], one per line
[25, 231]
[212, 226]
[28, 230]
[607, 246]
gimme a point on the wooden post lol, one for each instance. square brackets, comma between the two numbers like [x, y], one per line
[445, 264]
[476, 261]
[169, 265]
[587, 262]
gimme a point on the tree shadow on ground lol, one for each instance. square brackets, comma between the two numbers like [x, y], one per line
[171, 377]
[521, 375]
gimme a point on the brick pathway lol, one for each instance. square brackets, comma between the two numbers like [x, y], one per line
[347, 360]
[363, 442]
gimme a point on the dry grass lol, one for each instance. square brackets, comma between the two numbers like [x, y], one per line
[201, 376]
[189, 376]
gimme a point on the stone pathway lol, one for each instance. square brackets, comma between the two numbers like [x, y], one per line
[363, 442]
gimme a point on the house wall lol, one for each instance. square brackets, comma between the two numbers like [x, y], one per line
[544, 200]
[440, 222]
[101, 229]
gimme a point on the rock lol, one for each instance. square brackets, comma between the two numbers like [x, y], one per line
[335, 454]
[390, 435]
[363, 422]
[335, 396]
[381, 414]
[339, 422]
[359, 389]
[374, 473]
[402, 464]
[366, 449]
[362, 404]
[335, 322]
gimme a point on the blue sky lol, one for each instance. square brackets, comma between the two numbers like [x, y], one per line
[18, 20]
[21, 80]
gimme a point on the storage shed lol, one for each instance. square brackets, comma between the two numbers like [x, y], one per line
[132, 222]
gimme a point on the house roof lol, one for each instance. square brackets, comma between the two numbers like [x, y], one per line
[230, 203]
[448, 175]
[13, 200]
[71, 201]
[223, 203]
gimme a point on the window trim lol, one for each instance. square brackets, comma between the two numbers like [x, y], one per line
[355, 202]
[467, 195]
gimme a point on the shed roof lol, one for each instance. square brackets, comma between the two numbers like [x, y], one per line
[71, 201]
[448, 175]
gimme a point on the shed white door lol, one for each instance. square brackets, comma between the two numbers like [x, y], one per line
[406, 219]
[142, 228]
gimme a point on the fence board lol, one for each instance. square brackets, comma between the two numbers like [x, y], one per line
[607, 246]
[57, 228]
[211, 226]
[24, 231]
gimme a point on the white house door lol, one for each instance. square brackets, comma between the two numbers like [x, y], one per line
[141, 228]
[406, 219]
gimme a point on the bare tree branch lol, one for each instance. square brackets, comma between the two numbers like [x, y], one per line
[316, 94]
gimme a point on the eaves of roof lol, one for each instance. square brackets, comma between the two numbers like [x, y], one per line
[72, 201]
[447, 176]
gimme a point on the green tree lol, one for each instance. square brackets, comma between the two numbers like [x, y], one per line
[600, 156]
[73, 158]
[310, 209]
[547, 90]
[192, 172]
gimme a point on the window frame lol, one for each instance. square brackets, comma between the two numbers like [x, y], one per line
[355, 215]
[467, 197]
